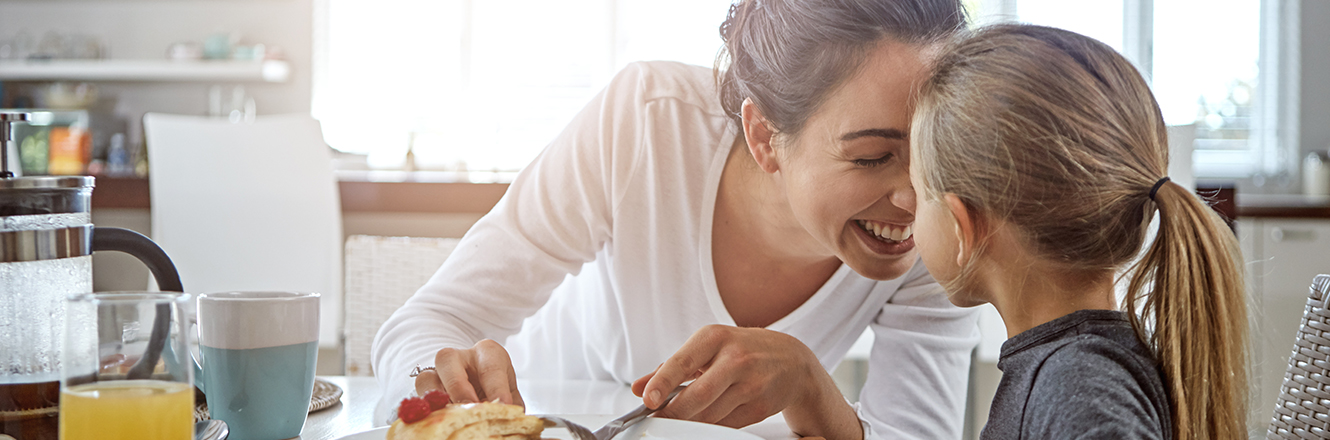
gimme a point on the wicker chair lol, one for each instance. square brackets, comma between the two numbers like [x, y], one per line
[1304, 402]
[381, 273]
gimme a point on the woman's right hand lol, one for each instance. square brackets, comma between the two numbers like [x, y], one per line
[482, 373]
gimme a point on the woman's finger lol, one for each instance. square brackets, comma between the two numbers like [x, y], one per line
[715, 410]
[692, 400]
[512, 383]
[451, 366]
[492, 367]
[427, 381]
[695, 355]
[640, 385]
[746, 414]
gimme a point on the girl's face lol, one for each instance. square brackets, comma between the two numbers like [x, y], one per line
[938, 237]
[846, 175]
[939, 233]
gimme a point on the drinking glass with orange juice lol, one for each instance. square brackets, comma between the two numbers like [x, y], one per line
[119, 381]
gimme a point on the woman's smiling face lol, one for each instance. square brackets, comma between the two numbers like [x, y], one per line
[846, 174]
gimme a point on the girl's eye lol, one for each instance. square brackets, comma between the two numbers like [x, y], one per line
[869, 163]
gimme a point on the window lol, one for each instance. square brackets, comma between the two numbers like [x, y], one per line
[1206, 55]
[1203, 59]
[1101, 20]
[479, 85]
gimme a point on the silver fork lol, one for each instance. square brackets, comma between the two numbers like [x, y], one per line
[579, 432]
[614, 427]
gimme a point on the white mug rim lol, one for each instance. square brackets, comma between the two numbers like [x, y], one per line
[257, 296]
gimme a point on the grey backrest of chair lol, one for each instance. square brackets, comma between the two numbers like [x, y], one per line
[381, 273]
[1303, 411]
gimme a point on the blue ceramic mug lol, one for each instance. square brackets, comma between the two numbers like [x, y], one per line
[258, 354]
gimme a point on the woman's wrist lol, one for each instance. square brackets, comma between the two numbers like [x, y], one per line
[822, 411]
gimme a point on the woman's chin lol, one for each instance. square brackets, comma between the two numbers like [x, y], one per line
[882, 269]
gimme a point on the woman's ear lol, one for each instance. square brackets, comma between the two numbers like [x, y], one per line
[758, 133]
[967, 230]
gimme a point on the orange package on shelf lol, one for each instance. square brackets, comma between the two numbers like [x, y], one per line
[70, 150]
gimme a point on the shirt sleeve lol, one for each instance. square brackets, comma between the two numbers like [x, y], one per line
[1085, 391]
[919, 368]
[554, 217]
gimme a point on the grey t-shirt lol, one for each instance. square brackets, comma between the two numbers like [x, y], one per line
[1081, 376]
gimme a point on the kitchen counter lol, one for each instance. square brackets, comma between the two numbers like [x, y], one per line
[358, 195]
[1283, 206]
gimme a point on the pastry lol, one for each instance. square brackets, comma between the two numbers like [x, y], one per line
[433, 418]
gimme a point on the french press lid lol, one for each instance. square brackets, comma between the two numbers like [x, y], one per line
[45, 195]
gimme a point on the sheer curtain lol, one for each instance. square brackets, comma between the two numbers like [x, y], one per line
[483, 85]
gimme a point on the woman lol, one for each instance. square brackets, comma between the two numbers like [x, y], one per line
[749, 225]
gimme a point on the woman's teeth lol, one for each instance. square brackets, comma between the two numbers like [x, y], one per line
[886, 231]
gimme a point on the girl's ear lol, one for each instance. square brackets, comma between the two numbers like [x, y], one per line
[967, 231]
[758, 133]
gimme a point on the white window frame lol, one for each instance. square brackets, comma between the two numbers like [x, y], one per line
[1278, 95]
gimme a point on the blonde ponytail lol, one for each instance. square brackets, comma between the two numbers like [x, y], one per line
[1190, 287]
[1057, 134]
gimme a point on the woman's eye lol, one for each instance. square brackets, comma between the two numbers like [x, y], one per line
[869, 163]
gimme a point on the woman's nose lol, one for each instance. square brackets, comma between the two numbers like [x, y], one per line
[902, 194]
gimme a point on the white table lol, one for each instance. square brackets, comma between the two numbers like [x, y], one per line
[610, 398]
[354, 414]
[360, 395]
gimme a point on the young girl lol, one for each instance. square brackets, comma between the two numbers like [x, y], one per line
[1039, 157]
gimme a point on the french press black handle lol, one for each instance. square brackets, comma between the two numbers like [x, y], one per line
[168, 280]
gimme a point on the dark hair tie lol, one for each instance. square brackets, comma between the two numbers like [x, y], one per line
[1158, 184]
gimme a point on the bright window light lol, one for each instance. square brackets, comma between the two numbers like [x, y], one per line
[1203, 68]
[1205, 73]
[479, 85]
[1100, 19]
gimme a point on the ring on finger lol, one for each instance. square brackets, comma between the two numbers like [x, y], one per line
[419, 369]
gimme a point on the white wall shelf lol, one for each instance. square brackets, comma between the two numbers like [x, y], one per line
[146, 70]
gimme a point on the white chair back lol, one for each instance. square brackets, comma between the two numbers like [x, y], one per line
[248, 206]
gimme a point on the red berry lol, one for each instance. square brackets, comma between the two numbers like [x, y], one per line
[413, 409]
[437, 399]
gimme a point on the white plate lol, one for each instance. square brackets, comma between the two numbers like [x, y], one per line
[652, 428]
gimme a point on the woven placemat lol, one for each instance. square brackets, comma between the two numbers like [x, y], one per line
[326, 394]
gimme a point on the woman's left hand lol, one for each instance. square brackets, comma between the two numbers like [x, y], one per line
[742, 376]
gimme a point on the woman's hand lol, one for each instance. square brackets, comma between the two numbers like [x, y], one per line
[742, 376]
[481, 373]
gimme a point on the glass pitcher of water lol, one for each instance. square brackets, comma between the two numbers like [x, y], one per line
[46, 244]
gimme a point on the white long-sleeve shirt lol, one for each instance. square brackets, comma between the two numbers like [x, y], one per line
[596, 264]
